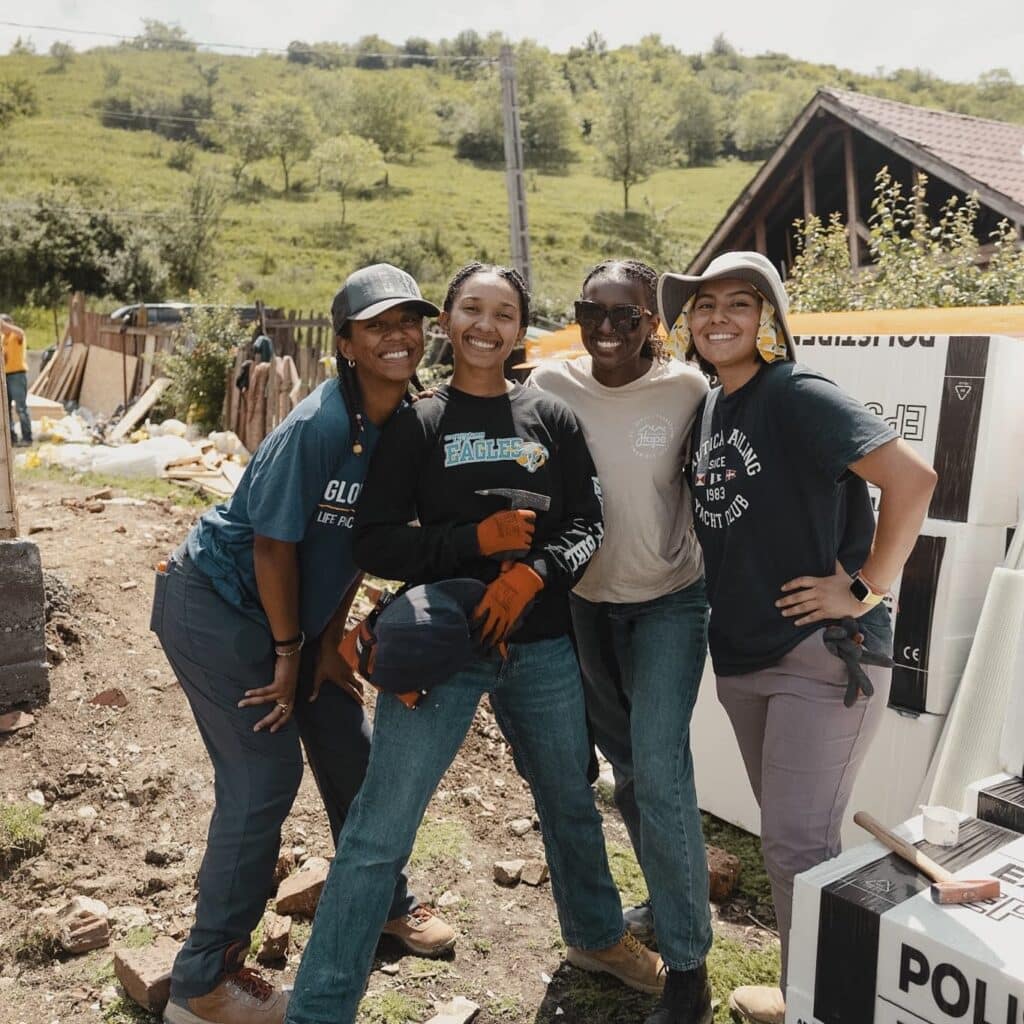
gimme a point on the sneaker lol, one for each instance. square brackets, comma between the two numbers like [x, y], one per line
[242, 997]
[629, 960]
[640, 922]
[760, 1004]
[686, 999]
[422, 932]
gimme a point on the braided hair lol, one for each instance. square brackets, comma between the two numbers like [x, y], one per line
[348, 380]
[510, 274]
[645, 276]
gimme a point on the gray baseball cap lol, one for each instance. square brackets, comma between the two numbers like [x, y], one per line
[371, 290]
[674, 290]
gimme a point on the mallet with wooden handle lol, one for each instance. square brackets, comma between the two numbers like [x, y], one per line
[945, 888]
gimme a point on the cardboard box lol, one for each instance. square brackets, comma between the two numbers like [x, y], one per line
[938, 601]
[869, 945]
[954, 399]
[998, 799]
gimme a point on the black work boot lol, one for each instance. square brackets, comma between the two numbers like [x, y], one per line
[685, 1000]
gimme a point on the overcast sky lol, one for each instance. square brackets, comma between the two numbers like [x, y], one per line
[955, 39]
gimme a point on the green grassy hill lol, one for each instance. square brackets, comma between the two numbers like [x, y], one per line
[437, 211]
[293, 251]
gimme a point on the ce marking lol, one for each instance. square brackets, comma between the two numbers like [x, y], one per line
[912, 654]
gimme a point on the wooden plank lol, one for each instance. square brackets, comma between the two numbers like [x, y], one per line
[74, 386]
[8, 503]
[809, 203]
[148, 355]
[760, 237]
[139, 410]
[101, 390]
[852, 216]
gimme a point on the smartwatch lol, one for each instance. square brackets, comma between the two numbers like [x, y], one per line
[864, 593]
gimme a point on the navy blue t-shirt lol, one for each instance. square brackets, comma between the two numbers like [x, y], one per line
[302, 486]
[773, 500]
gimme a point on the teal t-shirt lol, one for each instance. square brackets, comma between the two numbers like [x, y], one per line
[301, 486]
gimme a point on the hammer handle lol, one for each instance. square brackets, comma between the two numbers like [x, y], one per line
[909, 852]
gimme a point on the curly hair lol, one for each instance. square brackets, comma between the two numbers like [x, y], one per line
[510, 274]
[645, 276]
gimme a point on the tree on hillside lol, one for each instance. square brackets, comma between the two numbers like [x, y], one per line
[244, 134]
[391, 110]
[63, 54]
[698, 131]
[159, 35]
[375, 53]
[348, 163]
[17, 99]
[22, 47]
[417, 50]
[629, 134]
[191, 238]
[291, 129]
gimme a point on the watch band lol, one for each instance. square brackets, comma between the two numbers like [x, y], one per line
[863, 593]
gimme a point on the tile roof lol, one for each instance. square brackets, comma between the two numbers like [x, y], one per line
[991, 152]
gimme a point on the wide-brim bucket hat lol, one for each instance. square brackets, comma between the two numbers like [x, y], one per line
[675, 290]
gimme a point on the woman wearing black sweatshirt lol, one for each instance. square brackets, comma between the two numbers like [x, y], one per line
[481, 433]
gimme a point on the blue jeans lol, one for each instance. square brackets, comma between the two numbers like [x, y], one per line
[642, 665]
[217, 653]
[17, 392]
[538, 702]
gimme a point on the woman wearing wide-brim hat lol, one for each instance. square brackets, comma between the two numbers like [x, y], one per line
[796, 566]
[249, 611]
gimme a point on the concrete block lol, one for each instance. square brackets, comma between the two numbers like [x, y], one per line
[23, 671]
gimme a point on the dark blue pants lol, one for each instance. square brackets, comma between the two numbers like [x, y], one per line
[641, 667]
[217, 653]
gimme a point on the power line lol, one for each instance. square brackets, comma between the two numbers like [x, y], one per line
[311, 50]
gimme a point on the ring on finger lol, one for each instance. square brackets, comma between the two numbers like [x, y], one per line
[283, 706]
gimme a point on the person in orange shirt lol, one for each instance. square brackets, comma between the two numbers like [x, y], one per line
[16, 372]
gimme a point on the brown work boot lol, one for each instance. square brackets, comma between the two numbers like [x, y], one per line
[759, 1004]
[242, 997]
[422, 932]
[629, 960]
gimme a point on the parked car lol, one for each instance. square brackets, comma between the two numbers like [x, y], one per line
[170, 313]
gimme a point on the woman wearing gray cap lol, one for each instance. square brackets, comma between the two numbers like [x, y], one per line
[796, 567]
[249, 611]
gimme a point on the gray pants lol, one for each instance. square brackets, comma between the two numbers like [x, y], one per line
[217, 653]
[802, 748]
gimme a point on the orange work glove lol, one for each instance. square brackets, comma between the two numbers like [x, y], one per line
[504, 603]
[506, 534]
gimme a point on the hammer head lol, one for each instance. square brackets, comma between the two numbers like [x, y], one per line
[966, 890]
[520, 499]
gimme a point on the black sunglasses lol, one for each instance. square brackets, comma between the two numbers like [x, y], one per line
[590, 315]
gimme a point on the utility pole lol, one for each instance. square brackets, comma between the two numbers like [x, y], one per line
[514, 183]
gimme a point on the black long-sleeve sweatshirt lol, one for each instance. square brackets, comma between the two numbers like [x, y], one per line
[435, 455]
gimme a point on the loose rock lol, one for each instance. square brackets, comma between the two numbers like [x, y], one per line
[277, 932]
[112, 698]
[15, 720]
[300, 892]
[459, 1010]
[82, 930]
[723, 873]
[535, 872]
[520, 826]
[508, 872]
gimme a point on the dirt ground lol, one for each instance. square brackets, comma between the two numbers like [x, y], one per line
[128, 793]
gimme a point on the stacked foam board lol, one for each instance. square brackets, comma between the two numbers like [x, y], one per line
[955, 400]
[870, 946]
